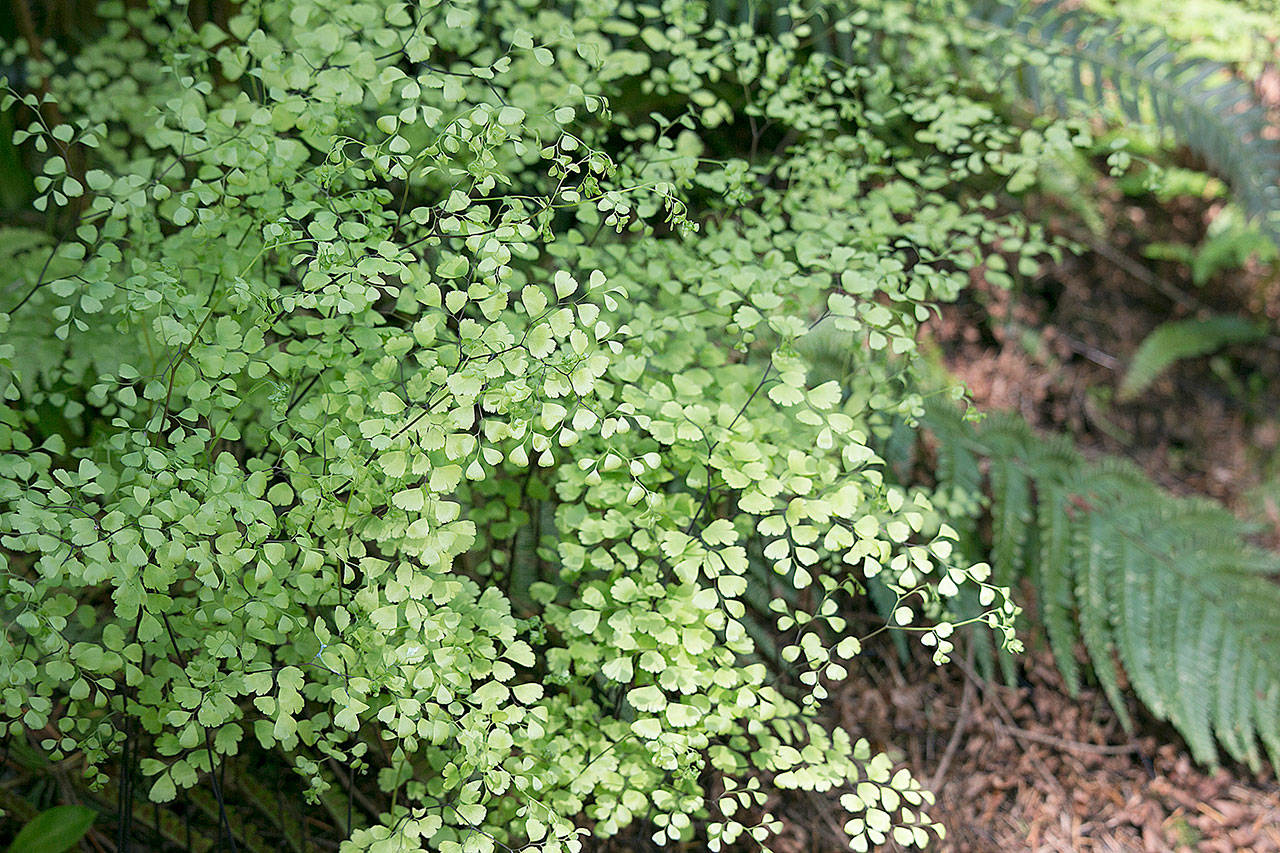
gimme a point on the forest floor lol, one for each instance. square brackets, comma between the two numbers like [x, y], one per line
[1029, 768]
[1055, 351]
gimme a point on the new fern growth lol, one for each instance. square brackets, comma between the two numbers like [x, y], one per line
[1167, 589]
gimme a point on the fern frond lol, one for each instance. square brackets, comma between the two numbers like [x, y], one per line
[1010, 504]
[1054, 577]
[1166, 588]
[1095, 566]
[1174, 341]
[1010, 497]
[1139, 69]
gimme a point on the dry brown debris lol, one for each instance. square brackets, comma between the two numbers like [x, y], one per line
[1040, 772]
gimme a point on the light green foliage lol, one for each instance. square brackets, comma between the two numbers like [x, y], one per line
[1180, 339]
[434, 381]
[1228, 246]
[1169, 588]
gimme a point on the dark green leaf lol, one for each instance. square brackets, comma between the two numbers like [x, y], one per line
[54, 830]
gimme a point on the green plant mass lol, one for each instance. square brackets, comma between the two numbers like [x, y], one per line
[435, 390]
[1168, 587]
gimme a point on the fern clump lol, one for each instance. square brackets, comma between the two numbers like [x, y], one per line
[430, 390]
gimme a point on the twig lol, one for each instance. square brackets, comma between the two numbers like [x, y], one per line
[962, 723]
[1005, 715]
[1097, 356]
[1063, 743]
[360, 797]
[977, 680]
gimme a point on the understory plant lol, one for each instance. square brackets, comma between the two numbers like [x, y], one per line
[425, 389]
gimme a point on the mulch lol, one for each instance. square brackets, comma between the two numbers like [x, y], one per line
[1028, 768]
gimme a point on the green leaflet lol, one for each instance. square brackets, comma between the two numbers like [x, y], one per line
[1096, 590]
[1054, 574]
[54, 830]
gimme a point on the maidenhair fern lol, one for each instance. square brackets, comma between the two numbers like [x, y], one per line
[1167, 588]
